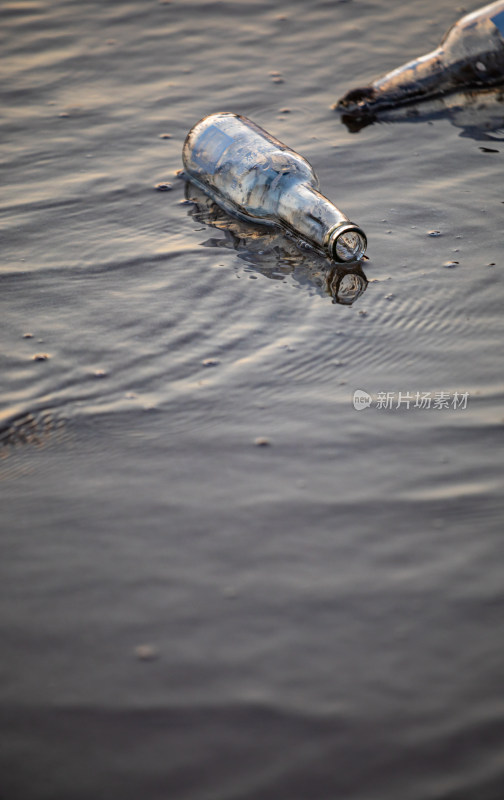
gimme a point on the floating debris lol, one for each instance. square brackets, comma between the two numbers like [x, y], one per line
[261, 441]
[470, 56]
[283, 174]
[146, 652]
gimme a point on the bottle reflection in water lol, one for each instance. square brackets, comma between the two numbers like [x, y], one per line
[253, 175]
[275, 255]
[346, 286]
[471, 55]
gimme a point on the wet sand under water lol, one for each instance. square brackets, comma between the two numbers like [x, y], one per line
[219, 578]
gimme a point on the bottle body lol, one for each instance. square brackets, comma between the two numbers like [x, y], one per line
[253, 175]
[470, 55]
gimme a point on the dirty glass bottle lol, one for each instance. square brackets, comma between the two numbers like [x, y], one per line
[254, 176]
[471, 55]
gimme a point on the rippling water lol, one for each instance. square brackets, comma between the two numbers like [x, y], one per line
[187, 613]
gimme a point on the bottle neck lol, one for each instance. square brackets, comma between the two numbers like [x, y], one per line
[414, 80]
[306, 211]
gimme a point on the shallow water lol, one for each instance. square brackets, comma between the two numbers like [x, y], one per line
[187, 613]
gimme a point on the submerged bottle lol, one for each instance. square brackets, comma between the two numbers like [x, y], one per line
[254, 176]
[471, 55]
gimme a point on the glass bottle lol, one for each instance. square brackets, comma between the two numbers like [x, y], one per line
[470, 55]
[254, 176]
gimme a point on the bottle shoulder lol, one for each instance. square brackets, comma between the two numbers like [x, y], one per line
[477, 33]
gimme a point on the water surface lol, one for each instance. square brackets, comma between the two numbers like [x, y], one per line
[185, 612]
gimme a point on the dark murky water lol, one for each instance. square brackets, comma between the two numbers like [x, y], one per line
[185, 613]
